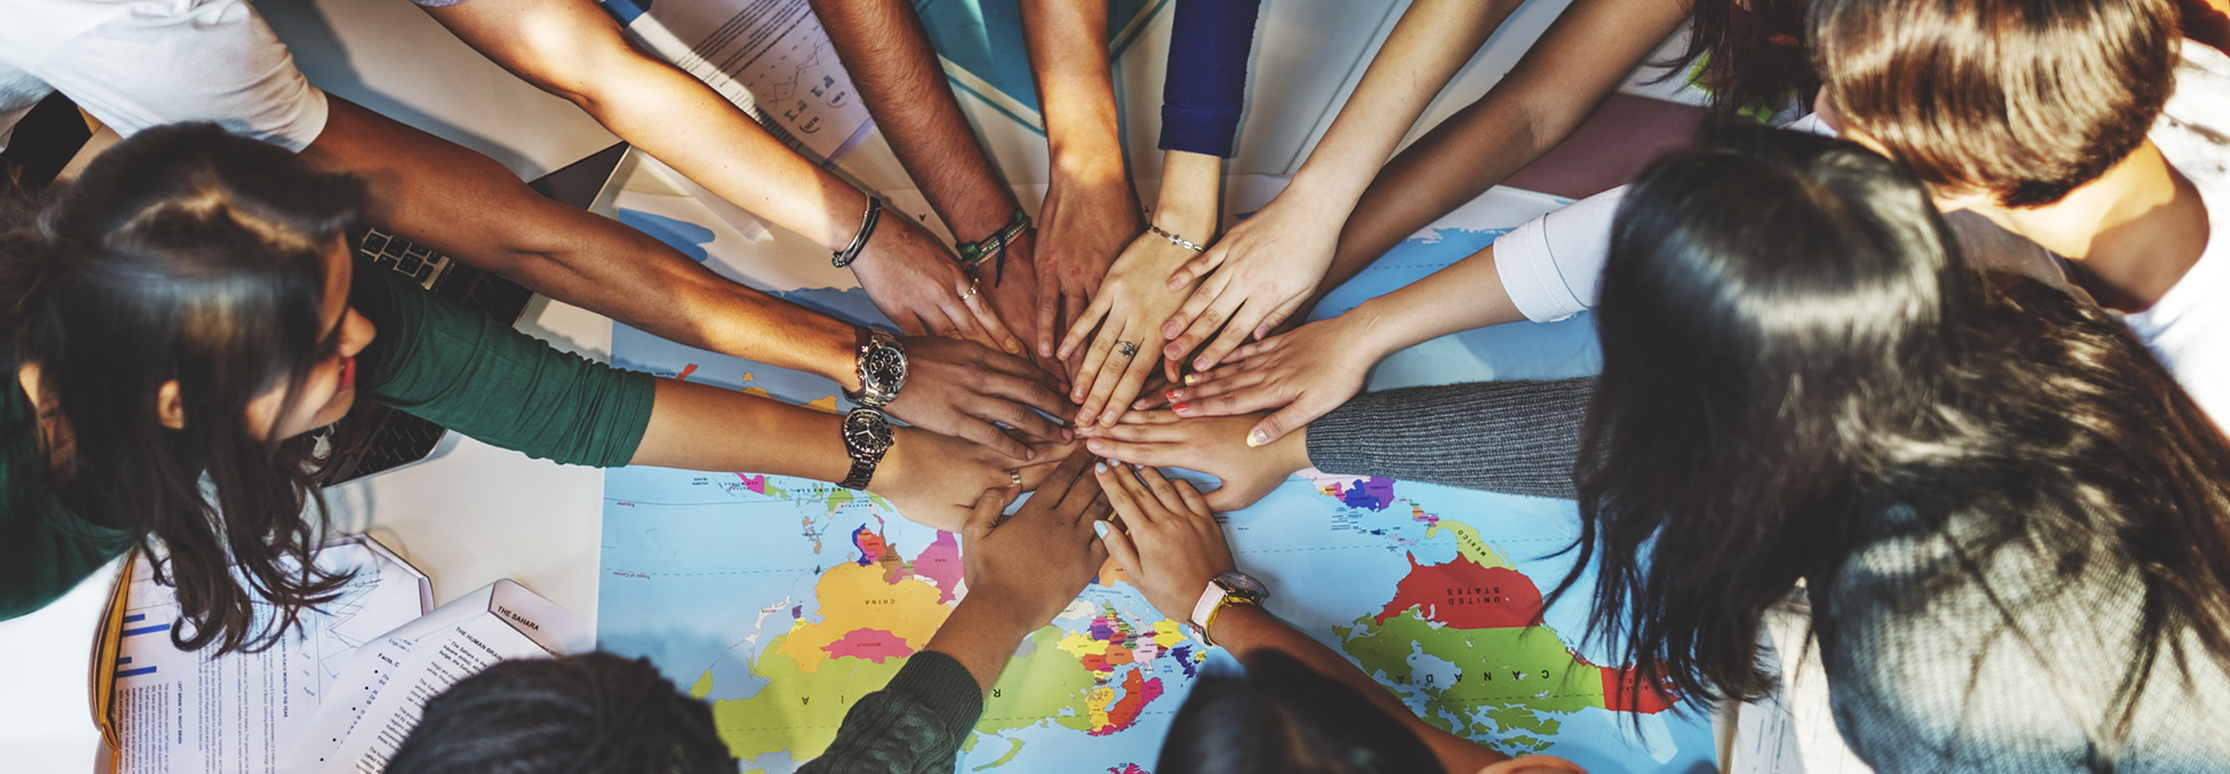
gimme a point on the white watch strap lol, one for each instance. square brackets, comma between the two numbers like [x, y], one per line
[1207, 604]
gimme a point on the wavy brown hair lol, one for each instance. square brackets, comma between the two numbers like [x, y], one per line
[1791, 343]
[185, 253]
[2024, 99]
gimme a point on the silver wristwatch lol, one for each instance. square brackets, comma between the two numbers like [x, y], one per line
[882, 368]
[867, 436]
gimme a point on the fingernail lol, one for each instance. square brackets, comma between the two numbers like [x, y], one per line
[1067, 434]
[1100, 527]
[1172, 396]
[1201, 364]
[1100, 466]
[1115, 462]
[1257, 438]
[1172, 351]
[1083, 417]
[1180, 407]
[1191, 379]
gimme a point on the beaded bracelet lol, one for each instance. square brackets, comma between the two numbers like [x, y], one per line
[1175, 240]
[973, 254]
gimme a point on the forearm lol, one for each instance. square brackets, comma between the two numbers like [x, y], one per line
[895, 68]
[1433, 39]
[1247, 629]
[678, 120]
[1517, 437]
[1465, 295]
[461, 203]
[1575, 65]
[1190, 204]
[702, 427]
[982, 637]
[1076, 90]
[573, 49]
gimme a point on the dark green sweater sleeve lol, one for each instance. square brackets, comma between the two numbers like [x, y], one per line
[915, 725]
[1518, 437]
[465, 371]
[45, 550]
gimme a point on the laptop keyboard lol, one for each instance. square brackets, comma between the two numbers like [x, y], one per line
[404, 257]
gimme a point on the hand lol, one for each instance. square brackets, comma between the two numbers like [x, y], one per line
[962, 388]
[1257, 277]
[1212, 445]
[1032, 564]
[1129, 304]
[918, 285]
[1170, 547]
[1303, 374]
[1014, 298]
[1085, 225]
[934, 479]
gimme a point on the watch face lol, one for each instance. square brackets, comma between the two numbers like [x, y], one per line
[1246, 583]
[867, 432]
[885, 367]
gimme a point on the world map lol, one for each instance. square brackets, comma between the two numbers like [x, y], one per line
[782, 601]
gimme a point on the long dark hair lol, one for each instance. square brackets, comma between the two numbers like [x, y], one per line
[186, 253]
[1791, 343]
[1281, 716]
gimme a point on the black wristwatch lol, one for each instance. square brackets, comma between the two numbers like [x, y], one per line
[867, 436]
[882, 368]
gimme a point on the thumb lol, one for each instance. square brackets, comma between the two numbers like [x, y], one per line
[984, 514]
[1120, 547]
[1272, 427]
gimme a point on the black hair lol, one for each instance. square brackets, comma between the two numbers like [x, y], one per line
[1284, 717]
[1790, 341]
[184, 253]
[590, 714]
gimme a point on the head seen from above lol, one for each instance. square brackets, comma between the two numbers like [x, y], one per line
[180, 311]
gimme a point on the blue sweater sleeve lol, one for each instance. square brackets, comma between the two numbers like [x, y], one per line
[1207, 82]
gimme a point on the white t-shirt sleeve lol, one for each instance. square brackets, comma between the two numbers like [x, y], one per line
[1553, 265]
[144, 64]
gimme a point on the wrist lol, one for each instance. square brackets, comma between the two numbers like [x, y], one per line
[1290, 454]
[1374, 329]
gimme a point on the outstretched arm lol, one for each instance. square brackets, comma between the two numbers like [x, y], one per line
[1090, 211]
[575, 50]
[1575, 65]
[1021, 571]
[464, 204]
[891, 61]
[1266, 267]
[1174, 547]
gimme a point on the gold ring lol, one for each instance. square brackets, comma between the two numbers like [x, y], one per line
[1014, 476]
[973, 286]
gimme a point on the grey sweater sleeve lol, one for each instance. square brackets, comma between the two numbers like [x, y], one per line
[1517, 437]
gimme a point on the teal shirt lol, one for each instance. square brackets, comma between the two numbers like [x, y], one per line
[457, 368]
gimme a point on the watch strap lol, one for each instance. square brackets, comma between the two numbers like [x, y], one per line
[863, 470]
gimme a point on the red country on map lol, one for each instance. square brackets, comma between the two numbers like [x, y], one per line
[1465, 595]
[871, 644]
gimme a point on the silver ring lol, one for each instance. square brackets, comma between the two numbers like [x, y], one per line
[973, 286]
[1014, 476]
[1128, 349]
